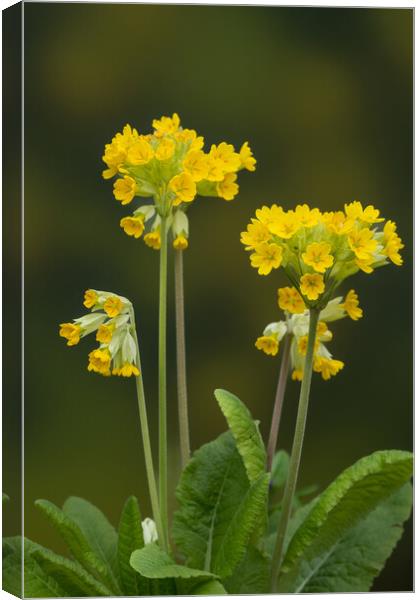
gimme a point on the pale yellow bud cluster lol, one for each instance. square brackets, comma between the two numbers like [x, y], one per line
[296, 324]
[110, 317]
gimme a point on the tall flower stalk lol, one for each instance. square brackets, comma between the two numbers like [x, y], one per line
[296, 451]
[163, 435]
[184, 431]
[279, 401]
[144, 425]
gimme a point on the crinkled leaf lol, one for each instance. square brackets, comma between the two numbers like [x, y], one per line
[37, 583]
[77, 542]
[153, 563]
[98, 531]
[70, 575]
[340, 508]
[359, 557]
[130, 538]
[252, 575]
[246, 433]
[219, 509]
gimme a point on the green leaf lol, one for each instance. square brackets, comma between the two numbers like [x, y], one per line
[100, 534]
[246, 433]
[251, 576]
[219, 509]
[70, 575]
[280, 469]
[153, 563]
[77, 542]
[37, 583]
[5, 498]
[130, 538]
[208, 588]
[341, 507]
[359, 557]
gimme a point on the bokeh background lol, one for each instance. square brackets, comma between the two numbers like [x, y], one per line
[324, 96]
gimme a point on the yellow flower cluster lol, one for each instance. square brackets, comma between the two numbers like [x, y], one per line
[296, 324]
[110, 318]
[318, 250]
[170, 166]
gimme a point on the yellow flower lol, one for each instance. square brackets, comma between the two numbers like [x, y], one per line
[196, 164]
[362, 243]
[71, 333]
[365, 264]
[351, 306]
[327, 366]
[312, 285]
[318, 256]
[91, 298]
[297, 375]
[133, 226]
[125, 189]
[140, 153]
[268, 344]
[393, 243]
[289, 299]
[104, 334]
[285, 226]
[166, 125]
[370, 214]
[266, 257]
[126, 370]
[269, 215]
[246, 157]
[338, 222]
[215, 169]
[165, 150]
[100, 361]
[189, 136]
[152, 239]
[224, 154]
[227, 189]
[183, 185]
[256, 233]
[180, 242]
[306, 216]
[113, 306]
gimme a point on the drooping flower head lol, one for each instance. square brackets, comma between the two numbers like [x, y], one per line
[171, 167]
[110, 317]
[296, 324]
[318, 250]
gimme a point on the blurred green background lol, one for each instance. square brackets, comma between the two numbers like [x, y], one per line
[324, 96]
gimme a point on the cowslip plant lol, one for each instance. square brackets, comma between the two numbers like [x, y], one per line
[241, 526]
[170, 168]
[317, 251]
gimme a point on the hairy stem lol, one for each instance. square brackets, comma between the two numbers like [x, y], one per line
[296, 451]
[144, 426]
[279, 400]
[184, 433]
[163, 434]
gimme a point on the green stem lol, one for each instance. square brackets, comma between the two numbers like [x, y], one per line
[279, 400]
[144, 425]
[184, 433]
[296, 451]
[163, 435]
